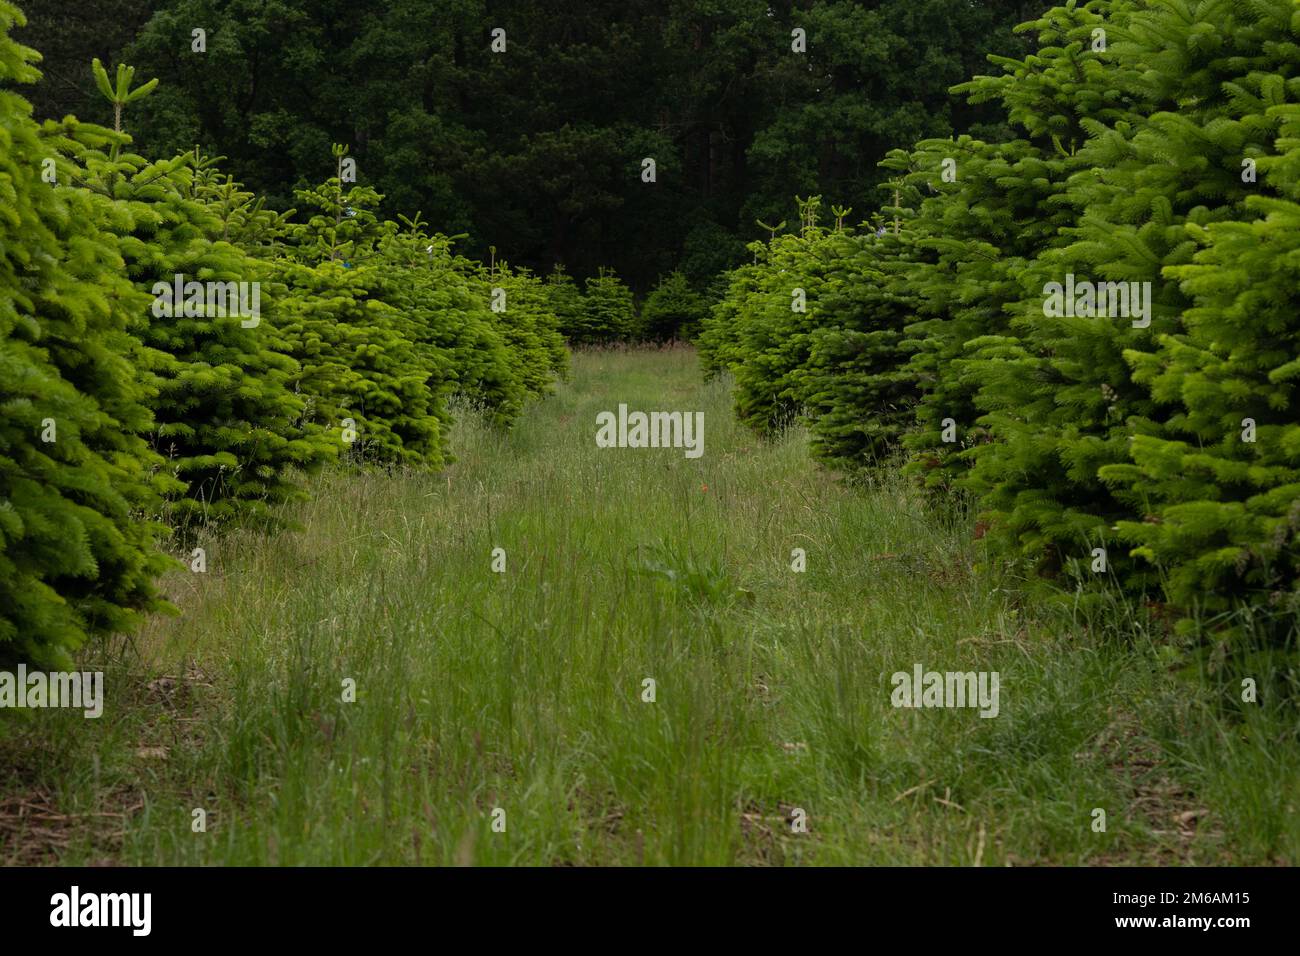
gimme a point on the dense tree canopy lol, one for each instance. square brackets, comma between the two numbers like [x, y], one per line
[537, 150]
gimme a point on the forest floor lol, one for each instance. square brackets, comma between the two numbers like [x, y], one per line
[502, 717]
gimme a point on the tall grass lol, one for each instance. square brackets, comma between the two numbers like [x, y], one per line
[523, 690]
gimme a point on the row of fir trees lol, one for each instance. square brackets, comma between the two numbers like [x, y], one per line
[130, 416]
[605, 312]
[1152, 454]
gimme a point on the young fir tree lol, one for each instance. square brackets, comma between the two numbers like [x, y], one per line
[1068, 408]
[719, 340]
[227, 420]
[450, 316]
[610, 315]
[773, 326]
[378, 395]
[989, 210]
[566, 302]
[859, 391]
[521, 311]
[1221, 478]
[78, 555]
[243, 216]
[673, 310]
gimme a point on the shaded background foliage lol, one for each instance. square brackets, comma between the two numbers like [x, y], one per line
[538, 151]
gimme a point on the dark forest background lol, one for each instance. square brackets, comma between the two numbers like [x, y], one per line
[537, 151]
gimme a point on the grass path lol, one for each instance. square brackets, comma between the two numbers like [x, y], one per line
[523, 690]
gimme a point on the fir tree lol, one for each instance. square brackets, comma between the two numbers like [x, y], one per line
[673, 310]
[980, 226]
[1066, 407]
[375, 392]
[860, 394]
[227, 419]
[78, 552]
[521, 310]
[773, 324]
[566, 302]
[610, 314]
[719, 341]
[449, 315]
[1221, 479]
